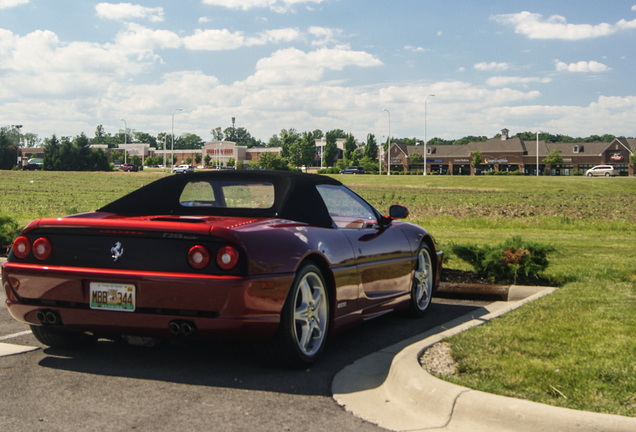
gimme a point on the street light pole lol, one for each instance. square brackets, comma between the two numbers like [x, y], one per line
[538, 132]
[125, 139]
[172, 145]
[18, 127]
[165, 137]
[425, 131]
[389, 146]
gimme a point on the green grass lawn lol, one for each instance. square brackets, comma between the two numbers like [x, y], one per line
[574, 348]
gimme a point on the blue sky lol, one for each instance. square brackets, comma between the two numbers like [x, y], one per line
[562, 67]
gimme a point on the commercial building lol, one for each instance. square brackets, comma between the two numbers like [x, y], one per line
[513, 154]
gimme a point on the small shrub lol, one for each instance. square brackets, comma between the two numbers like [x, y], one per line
[8, 232]
[513, 260]
[577, 173]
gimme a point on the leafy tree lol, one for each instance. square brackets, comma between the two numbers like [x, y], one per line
[161, 138]
[50, 162]
[207, 160]
[8, 232]
[188, 141]
[145, 138]
[554, 158]
[317, 134]
[370, 165]
[416, 158]
[288, 137]
[272, 161]
[197, 158]
[371, 149]
[339, 133]
[8, 155]
[135, 160]
[240, 165]
[29, 140]
[632, 158]
[274, 141]
[476, 158]
[81, 151]
[241, 137]
[303, 151]
[349, 146]
[217, 135]
[331, 149]
[230, 162]
[188, 160]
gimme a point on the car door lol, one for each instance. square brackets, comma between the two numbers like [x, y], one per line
[382, 253]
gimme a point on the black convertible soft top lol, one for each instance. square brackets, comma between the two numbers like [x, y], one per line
[296, 197]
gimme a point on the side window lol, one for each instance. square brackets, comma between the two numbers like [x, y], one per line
[346, 208]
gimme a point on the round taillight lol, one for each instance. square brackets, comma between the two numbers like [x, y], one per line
[198, 257]
[42, 248]
[227, 258]
[21, 247]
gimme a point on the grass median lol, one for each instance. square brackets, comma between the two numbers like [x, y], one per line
[574, 348]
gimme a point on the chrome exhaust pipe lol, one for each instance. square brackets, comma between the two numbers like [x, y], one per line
[52, 318]
[187, 329]
[174, 328]
[41, 316]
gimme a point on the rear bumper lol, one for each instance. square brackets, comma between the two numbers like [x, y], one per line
[223, 307]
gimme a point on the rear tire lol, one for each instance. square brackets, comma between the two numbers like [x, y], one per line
[62, 338]
[304, 321]
[423, 280]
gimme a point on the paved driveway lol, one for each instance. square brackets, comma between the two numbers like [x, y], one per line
[206, 386]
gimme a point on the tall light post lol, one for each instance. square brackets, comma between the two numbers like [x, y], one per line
[172, 145]
[425, 131]
[538, 132]
[165, 137]
[322, 150]
[389, 147]
[18, 127]
[125, 139]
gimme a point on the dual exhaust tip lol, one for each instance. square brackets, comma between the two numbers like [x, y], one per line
[182, 328]
[48, 317]
[177, 327]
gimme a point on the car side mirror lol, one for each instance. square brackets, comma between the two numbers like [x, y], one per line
[398, 212]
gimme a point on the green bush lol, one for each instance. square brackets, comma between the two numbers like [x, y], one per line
[577, 173]
[513, 260]
[8, 232]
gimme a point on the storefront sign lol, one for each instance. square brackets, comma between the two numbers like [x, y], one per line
[396, 160]
[616, 157]
[434, 160]
[496, 161]
[461, 160]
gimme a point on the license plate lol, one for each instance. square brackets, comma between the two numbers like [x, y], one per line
[111, 296]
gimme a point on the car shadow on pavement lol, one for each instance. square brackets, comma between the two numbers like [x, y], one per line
[240, 365]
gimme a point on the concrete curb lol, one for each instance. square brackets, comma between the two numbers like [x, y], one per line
[391, 389]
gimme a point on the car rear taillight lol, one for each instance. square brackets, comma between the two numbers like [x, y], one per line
[227, 257]
[42, 248]
[198, 257]
[21, 247]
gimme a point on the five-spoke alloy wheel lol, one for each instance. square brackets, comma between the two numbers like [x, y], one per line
[423, 279]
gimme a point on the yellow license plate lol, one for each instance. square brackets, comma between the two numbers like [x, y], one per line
[112, 296]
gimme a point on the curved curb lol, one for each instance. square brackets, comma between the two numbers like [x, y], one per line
[391, 389]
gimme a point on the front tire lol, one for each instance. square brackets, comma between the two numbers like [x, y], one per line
[589, 174]
[62, 338]
[304, 321]
[423, 280]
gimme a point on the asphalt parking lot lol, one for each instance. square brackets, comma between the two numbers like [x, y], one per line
[204, 386]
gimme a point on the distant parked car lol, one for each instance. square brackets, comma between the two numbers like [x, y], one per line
[602, 170]
[128, 167]
[33, 164]
[182, 169]
[353, 170]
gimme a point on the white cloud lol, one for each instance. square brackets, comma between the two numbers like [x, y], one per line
[280, 6]
[534, 26]
[203, 20]
[142, 41]
[4, 4]
[634, 8]
[291, 66]
[324, 35]
[414, 49]
[581, 66]
[502, 81]
[126, 11]
[483, 66]
[221, 40]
